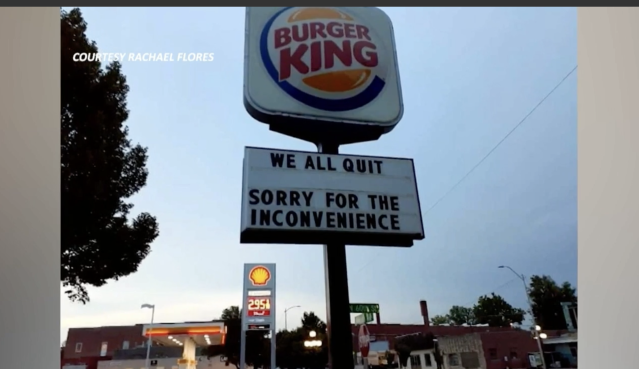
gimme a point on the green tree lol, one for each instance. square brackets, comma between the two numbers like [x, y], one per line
[255, 342]
[461, 315]
[312, 322]
[440, 320]
[213, 350]
[546, 298]
[314, 357]
[100, 168]
[291, 352]
[231, 313]
[496, 312]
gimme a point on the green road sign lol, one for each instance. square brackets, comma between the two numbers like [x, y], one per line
[364, 318]
[364, 308]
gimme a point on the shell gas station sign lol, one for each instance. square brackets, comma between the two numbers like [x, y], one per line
[259, 276]
[258, 302]
[258, 299]
[258, 305]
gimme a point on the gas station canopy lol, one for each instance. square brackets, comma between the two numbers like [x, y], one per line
[174, 334]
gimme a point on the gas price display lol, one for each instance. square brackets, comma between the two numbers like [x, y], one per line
[259, 306]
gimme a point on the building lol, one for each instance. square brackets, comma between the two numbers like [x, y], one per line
[163, 363]
[562, 348]
[467, 347]
[388, 332]
[85, 347]
[122, 345]
[486, 350]
[174, 345]
[102, 341]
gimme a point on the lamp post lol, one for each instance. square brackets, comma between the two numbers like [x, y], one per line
[148, 345]
[532, 315]
[286, 316]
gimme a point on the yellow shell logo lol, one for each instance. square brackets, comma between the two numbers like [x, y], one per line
[259, 276]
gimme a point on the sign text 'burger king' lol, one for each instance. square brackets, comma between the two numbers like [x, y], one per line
[324, 58]
[334, 47]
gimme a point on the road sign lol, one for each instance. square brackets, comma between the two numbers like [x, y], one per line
[364, 340]
[312, 70]
[364, 308]
[364, 318]
[296, 197]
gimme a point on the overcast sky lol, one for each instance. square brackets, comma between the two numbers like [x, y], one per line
[469, 75]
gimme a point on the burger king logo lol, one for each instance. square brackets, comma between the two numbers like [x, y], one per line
[259, 276]
[325, 58]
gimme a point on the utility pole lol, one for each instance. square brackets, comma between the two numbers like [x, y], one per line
[532, 315]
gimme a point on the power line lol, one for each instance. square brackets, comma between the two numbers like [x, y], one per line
[501, 141]
[488, 154]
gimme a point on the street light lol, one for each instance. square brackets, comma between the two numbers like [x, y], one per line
[286, 316]
[532, 315]
[312, 343]
[148, 346]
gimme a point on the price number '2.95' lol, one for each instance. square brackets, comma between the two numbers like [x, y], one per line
[259, 303]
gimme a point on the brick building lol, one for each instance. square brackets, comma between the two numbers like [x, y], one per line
[88, 345]
[388, 332]
[102, 341]
[507, 349]
[88, 348]
[464, 346]
[487, 350]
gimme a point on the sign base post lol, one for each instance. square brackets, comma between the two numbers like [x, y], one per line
[338, 315]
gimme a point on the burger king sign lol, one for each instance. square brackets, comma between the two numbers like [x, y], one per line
[308, 65]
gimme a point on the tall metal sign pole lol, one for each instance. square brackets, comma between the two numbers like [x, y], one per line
[258, 306]
[338, 315]
[328, 76]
